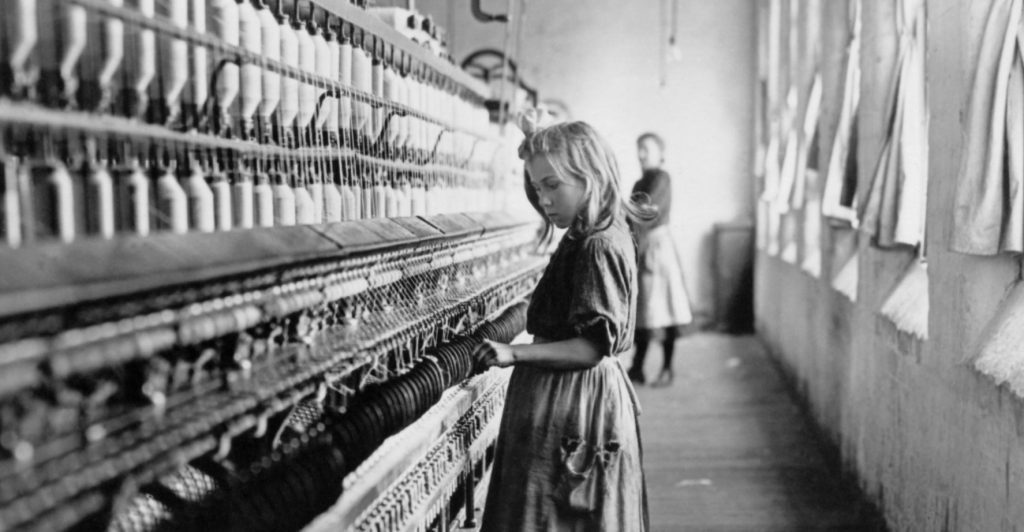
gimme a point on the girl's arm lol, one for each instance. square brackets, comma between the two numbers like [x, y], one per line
[574, 353]
[598, 313]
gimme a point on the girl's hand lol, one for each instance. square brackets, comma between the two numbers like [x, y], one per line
[490, 353]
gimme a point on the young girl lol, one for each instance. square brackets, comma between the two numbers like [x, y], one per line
[568, 455]
[663, 306]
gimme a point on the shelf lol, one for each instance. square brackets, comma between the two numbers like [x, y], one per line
[12, 112]
[54, 275]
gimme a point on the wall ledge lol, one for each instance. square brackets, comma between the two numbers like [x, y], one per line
[907, 305]
[845, 282]
[1001, 356]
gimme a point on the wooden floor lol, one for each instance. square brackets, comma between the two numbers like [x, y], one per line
[727, 449]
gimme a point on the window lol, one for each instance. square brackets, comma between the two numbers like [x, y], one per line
[768, 218]
[839, 196]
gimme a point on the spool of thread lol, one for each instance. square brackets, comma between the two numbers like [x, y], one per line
[322, 68]
[345, 117]
[351, 205]
[316, 193]
[362, 79]
[229, 30]
[270, 32]
[284, 200]
[307, 62]
[242, 199]
[289, 106]
[392, 199]
[334, 72]
[171, 203]
[377, 75]
[10, 216]
[175, 66]
[99, 196]
[380, 199]
[304, 206]
[402, 83]
[415, 124]
[251, 38]
[429, 204]
[332, 202]
[405, 203]
[131, 189]
[358, 212]
[390, 90]
[263, 201]
[222, 201]
[53, 214]
[200, 201]
[419, 198]
[200, 69]
[369, 210]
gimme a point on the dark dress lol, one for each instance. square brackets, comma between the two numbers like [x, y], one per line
[656, 185]
[663, 300]
[568, 456]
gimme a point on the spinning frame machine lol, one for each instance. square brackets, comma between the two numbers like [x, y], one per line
[238, 290]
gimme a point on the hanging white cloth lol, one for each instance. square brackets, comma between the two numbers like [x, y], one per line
[987, 213]
[894, 211]
[792, 188]
[913, 194]
[1013, 220]
[807, 136]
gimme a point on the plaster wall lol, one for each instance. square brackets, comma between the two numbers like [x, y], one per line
[936, 444]
[602, 58]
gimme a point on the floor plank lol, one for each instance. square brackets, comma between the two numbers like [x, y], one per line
[727, 449]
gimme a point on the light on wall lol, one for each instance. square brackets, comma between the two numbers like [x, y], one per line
[670, 52]
[675, 53]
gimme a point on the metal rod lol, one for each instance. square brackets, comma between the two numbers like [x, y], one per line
[241, 55]
[42, 117]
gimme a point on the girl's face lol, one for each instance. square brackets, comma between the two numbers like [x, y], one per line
[560, 199]
[649, 153]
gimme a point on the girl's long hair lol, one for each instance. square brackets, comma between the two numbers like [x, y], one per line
[575, 150]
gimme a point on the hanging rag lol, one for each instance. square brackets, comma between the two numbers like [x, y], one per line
[987, 209]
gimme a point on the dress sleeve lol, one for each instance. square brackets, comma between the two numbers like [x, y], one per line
[658, 191]
[661, 194]
[599, 306]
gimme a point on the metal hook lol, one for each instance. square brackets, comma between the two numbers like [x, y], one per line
[483, 16]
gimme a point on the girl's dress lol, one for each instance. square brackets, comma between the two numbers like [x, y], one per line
[663, 301]
[568, 455]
